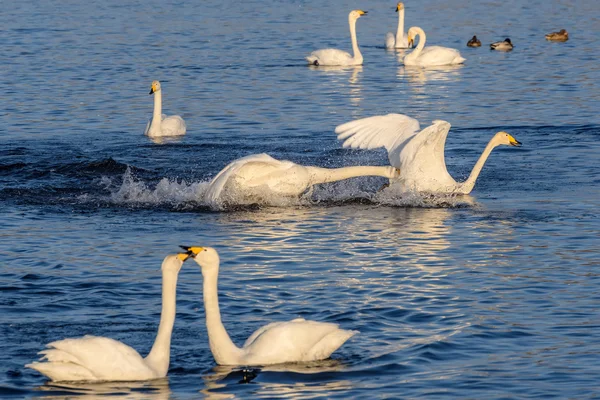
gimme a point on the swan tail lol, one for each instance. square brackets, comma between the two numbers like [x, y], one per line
[390, 40]
[62, 371]
[329, 343]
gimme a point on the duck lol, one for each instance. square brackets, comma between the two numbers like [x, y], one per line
[505, 45]
[474, 42]
[560, 36]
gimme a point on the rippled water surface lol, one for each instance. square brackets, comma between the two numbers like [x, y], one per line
[493, 295]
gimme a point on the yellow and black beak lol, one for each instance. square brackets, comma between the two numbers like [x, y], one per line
[411, 41]
[192, 251]
[152, 89]
[183, 256]
[513, 141]
[361, 12]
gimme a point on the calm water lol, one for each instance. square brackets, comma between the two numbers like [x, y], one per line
[494, 295]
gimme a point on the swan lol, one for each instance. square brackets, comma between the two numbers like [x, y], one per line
[474, 42]
[419, 154]
[94, 358]
[432, 55]
[161, 125]
[260, 175]
[505, 45]
[297, 340]
[340, 57]
[561, 36]
[399, 41]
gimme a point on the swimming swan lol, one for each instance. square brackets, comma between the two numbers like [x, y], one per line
[93, 358]
[278, 342]
[161, 125]
[418, 155]
[399, 41]
[260, 175]
[340, 57]
[432, 55]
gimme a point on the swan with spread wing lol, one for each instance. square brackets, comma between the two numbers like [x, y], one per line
[419, 154]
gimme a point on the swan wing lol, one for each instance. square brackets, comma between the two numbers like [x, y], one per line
[330, 57]
[391, 131]
[293, 341]
[218, 183]
[92, 357]
[390, 40]
[173, 125]
[261, 330]
[423, 157]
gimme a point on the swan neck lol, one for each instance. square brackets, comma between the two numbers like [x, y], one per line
[223, 349]
[467, 186]
[324, 175]
[400, 31]
[357, 54]
[157, 114]
[422, 39]
[158, 358]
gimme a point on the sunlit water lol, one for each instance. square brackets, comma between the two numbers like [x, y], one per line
[493, 295]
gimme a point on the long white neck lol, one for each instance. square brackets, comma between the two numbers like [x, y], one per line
[223, 349]
[467, 186]
[400, 31]
[157, 114]
[358, 58]
[324, 175]
[421, 45]
[158, 358]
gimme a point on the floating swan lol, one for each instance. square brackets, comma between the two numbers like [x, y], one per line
[561, 36]
[418, 155]
[474, 42]
[340, 57]
[399, 41]
[297, 340]
[260, 175]
[505, 45]
[432, 55]
[93, 358]
[161, 125]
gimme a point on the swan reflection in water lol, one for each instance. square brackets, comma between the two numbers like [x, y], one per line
[277, 380]
[337, 75]
[156, 389]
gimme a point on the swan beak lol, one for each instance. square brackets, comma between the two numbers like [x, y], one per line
[361, 12]
[513, 141]
[183, 256]
[192, 251]
[411, 41]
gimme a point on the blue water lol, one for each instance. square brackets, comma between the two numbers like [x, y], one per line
[494, 295]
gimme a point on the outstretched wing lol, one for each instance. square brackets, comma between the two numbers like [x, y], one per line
[391, 131]
[423, 155]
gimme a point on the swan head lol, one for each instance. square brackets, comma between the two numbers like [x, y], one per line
[206, 257]
[412, 34]
[503, 138]
[356, 14]
[399, 6]
[155, 87]
[173, 262]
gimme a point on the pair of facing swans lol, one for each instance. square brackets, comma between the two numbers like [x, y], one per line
[416, 157]
[93, 358]
[421, 56]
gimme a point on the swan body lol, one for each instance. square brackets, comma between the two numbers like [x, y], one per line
[297, 340]
[340, 57]
[162, 125]
[260, 175]
[505, 45]
[419, 154]
[432, 55]
[474, 42]
[93, 358]
[399, 40]
[561, 36]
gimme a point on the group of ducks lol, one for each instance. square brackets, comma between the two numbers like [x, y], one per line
[506, 44]
[94, 358]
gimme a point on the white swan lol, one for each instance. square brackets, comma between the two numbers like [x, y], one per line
[340, 57]
[297, 340]
[432, 55]
[260, 175]
[398, 41]
[418, 155]
[161, 125]
[93, 358]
